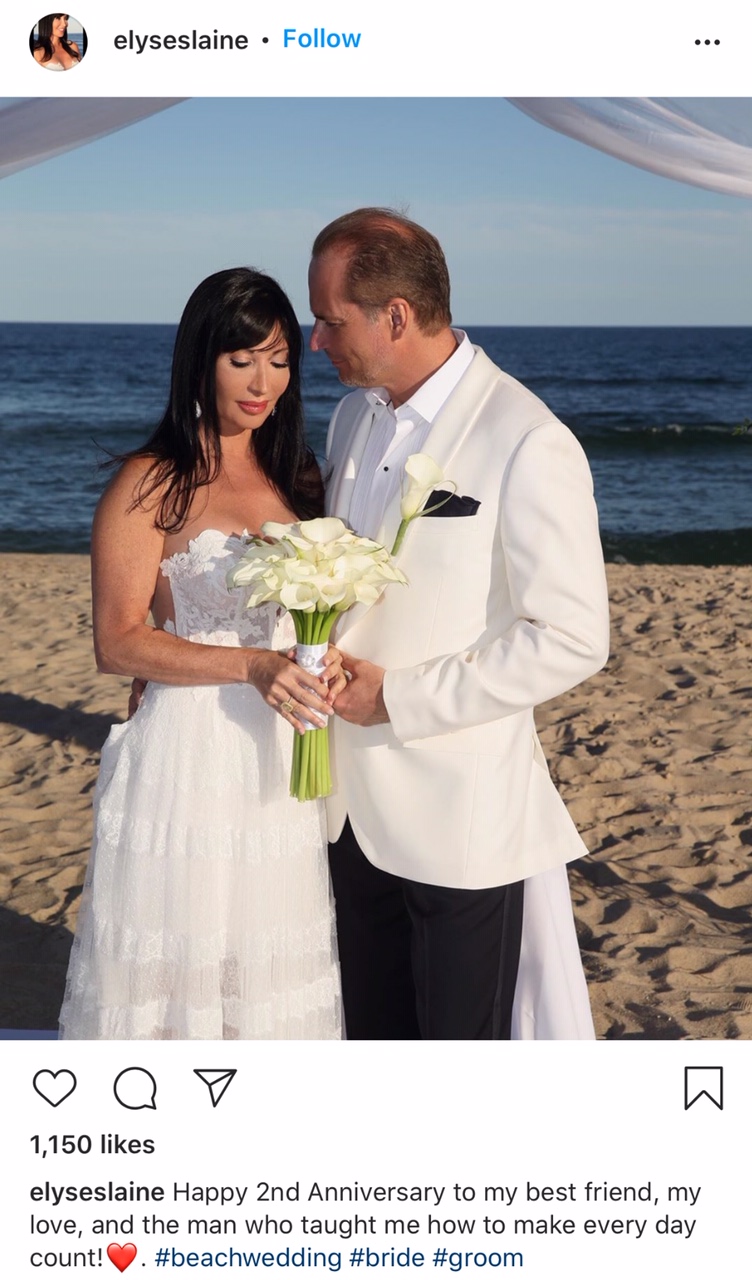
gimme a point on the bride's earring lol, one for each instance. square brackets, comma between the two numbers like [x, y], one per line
[197, 408]
[274, 410]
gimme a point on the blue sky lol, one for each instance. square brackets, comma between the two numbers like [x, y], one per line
[537, 228]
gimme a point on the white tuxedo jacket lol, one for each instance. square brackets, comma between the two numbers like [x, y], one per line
[504, 610]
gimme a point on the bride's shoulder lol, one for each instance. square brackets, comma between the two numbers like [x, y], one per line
[126, 527]
[136, 487]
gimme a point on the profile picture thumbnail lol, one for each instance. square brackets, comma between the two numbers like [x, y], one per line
[58, 42]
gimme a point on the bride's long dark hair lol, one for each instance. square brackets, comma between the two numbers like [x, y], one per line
[44, 37]
[229, 311]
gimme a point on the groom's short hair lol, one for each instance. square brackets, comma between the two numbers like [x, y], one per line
[391, 257]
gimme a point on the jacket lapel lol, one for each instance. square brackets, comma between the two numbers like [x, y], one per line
[452, 425]
[449, 430]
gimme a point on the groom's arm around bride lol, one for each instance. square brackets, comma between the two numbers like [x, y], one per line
[443, 804]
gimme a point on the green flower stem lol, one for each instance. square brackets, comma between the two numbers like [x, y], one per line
[295, 774]
[400, 536]
[310, 776]
[305, 764]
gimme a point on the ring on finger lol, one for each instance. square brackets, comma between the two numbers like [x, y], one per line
[287, 706]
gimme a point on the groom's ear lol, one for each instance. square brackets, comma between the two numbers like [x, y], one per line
[399, 316]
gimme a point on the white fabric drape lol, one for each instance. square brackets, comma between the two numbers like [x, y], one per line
[706, 142]
[551, 998]
[36, 129]
[703, 141]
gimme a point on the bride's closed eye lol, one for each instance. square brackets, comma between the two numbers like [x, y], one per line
[244, 364]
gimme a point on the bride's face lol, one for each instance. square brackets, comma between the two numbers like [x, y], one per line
[59, 25]
[249, 383]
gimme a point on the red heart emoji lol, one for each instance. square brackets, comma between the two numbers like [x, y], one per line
[121, 1255]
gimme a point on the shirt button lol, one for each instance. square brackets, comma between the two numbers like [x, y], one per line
[386, 468]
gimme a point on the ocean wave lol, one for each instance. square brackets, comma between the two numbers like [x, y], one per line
[621, 433]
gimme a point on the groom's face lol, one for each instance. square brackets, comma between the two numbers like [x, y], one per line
[356, 341]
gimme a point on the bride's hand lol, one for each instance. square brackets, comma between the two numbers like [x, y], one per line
[294, 693]
[334, 673]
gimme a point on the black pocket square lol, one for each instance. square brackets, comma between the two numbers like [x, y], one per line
[451, 504]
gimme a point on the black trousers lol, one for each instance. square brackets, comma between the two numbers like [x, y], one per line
[422, 962]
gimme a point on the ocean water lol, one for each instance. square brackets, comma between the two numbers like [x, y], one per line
[654, 409]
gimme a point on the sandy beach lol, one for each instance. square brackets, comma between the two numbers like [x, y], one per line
[652, 756]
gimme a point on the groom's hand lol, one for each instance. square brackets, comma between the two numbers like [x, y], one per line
[362, 701]
[137, 693]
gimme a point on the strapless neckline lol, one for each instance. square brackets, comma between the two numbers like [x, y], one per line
[244, 537]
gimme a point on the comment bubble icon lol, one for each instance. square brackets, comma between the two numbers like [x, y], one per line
[136, 1088]
[121, 1255]
[54, 1086]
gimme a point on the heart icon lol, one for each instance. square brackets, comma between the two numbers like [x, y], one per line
[121, 1255]
[54, 1086]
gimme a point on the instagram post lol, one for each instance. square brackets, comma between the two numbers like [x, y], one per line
[610, 286]
[375, 539]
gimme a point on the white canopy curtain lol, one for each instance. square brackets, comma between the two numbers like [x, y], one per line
[703, 141]
[36, 129]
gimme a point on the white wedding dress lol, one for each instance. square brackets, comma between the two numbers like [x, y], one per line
[206, 912]
[551, 998]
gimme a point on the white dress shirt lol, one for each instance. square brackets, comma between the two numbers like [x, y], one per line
[397, 433]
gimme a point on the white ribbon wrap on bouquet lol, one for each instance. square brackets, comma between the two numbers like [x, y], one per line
[311, 658]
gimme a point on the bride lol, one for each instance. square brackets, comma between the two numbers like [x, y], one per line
[206, 911]
[51, 47]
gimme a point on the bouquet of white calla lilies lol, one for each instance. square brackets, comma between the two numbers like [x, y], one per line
[423, 476]
[316, 569]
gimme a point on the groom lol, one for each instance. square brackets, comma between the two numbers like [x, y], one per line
[443, 804]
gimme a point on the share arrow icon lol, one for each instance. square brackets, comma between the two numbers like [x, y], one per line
[216, 1081]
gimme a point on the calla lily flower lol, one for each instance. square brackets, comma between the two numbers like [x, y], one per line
[423, 476]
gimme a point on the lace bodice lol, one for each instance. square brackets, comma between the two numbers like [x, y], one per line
[207, 611]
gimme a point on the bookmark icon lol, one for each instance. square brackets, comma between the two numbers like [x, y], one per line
[216, 1081]
[703, 1082]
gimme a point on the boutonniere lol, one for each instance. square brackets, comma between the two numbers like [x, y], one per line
[423, 475]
